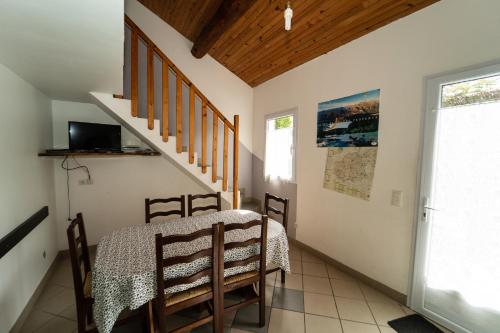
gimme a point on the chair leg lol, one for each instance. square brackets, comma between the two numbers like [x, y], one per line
[262, 304]
[282, 276]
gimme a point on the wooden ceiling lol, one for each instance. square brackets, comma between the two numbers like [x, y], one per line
[255, 46]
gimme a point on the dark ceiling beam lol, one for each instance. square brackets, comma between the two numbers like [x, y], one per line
[228, 13]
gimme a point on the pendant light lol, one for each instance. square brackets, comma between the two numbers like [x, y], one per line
[288, 17]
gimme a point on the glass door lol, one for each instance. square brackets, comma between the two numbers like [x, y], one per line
[457, 260]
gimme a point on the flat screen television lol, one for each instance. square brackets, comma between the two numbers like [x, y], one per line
[94, 137]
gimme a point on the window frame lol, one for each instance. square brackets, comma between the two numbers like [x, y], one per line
[289, 112]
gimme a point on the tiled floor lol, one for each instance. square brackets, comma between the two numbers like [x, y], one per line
[316, 298]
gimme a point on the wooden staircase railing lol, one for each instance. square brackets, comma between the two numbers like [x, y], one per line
[152, 50]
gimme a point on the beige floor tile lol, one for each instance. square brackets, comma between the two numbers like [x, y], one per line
[69, 312]
[347, 289]
[317, 285]
[320, 324]
[374, 295]
[354, 327]
[407, 310]
[270, 279]
[386, 329]
[384, 312]
[59, 325]
[296, 266]
[269, 295]
[62, 276]
[294, 253]
[284, 321]
[314, 269]
[323, 305]
[336, 273]
[308, 257]
[353, 309]
[292, 281]
[235, 330]
[35, 320]
[55, 302]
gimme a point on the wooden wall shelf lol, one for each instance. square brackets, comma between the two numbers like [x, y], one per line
[64, 153]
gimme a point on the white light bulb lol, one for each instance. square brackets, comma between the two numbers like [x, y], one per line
[288, 17]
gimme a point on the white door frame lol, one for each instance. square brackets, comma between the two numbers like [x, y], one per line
[427, 151]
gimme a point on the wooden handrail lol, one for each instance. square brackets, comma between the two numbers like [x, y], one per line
[194, 93]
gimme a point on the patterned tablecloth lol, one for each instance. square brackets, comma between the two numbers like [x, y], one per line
[124, 275]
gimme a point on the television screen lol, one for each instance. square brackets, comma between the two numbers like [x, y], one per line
[90, 136]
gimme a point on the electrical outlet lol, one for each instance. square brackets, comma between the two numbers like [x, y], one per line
[85, 182]
[396, 198]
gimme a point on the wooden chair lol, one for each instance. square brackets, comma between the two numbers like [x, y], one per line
[217, 206]
[247, 279]
[166, 304]
[82, 280]
[181, 212]
[284, 220]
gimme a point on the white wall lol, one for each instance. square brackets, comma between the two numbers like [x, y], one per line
[120, 184]
[227, 92]
[374, 237]
[26, 185]
[65, 48]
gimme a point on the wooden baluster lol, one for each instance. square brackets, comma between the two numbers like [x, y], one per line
[224, 159]
[134, 73]
[178, 115]
[151, 88]
[165, 96]
[204, 136]
[235, 160]
[191, 124]
[215, 134]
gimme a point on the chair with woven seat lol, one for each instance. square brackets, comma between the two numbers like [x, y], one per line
[283, 213]
[82, 280]
[150, 202]
[217, 206]
[167, 303]
[247, 279]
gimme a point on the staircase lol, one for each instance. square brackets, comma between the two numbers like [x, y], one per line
[169, 127]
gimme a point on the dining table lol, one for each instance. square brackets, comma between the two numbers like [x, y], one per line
[124, 273]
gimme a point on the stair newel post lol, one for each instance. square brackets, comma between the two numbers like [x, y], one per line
[236, 138]
[134, 72]
[165, 96]
[191, 124]
[204, 136]
[178, 115]
[215, 133]
[224, 158]
[151, 87]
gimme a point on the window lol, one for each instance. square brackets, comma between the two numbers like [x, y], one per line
[280, 147]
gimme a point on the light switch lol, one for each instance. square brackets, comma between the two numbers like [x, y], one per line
[396, 198]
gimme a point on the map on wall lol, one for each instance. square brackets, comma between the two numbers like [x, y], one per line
[350, 171]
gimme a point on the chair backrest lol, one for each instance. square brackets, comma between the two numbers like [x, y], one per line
[283, 211]
[217, 206]
[260, 240]
[150, 202]
[212, 252]
[80, 260]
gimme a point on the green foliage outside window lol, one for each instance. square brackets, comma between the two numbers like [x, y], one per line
[283, 122]
[471, 92]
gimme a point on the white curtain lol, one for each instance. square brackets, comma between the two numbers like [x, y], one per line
[279, 152]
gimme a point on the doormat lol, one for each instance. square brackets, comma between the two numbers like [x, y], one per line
[413, 324]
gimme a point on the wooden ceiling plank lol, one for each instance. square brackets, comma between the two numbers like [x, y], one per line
[306, 41]
[227, 14]
[358, 31]
[302, 32]
[308, 53]
[273, 30]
